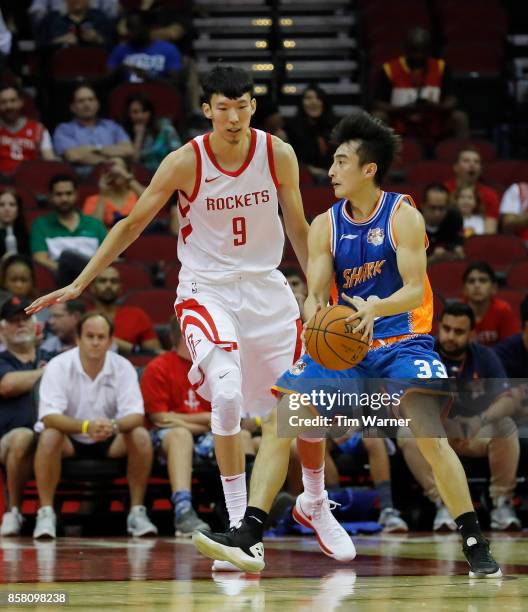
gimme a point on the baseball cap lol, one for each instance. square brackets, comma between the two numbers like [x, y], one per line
[13, 306]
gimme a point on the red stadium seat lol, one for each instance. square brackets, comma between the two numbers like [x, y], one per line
[133, 276]
[45, 279]
[316, 200]
[499, 250]
[34, 213]
[430, 172]
[448, 150]
[36, 175]
[438, 305]
[167, 100]
[172, 276]
[158, 303]
[305, 176]
[507, 172]
[468, 58]
[74, 62]
[140, 360]
[28, 198]
[152, 248]
[514, 297]
[446, 277]
[85, 191]
[517, 277]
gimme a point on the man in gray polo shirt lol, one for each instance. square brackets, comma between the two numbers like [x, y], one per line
[88, 140]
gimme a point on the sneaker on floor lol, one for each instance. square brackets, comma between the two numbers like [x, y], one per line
[478, 555]
[139, 524]
[443, 520]
[392, 521]
[236, 545]
[504, 517]
[188, 522]
[46, 525]
[11, 523]
[333, 540]
[224, 566]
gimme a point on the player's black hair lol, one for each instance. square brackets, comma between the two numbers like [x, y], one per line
[480, 266]
[378, 142]
[229, 81]
[524, 310]
[62, 178]
[91, 315]
[460, 309]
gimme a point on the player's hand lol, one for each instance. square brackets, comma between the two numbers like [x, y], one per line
[364, 316]
[70, 292]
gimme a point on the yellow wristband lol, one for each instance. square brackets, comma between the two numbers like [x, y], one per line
[85, 425]
[258, 421]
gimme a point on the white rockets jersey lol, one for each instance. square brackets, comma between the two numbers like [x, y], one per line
[230, 223]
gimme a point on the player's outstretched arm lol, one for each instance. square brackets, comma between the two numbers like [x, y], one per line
[175, 172]
[320, 266]
[287, 170]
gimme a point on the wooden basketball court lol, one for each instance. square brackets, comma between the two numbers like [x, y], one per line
[417, 572]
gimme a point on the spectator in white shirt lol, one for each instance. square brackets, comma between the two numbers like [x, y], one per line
[91, 406]
[514, 210]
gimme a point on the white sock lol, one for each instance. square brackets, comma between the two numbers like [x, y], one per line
[235, 496]
[313, 482]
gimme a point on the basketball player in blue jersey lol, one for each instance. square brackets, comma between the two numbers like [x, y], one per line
[374, 243]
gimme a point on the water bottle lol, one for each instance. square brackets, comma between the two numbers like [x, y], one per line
[11, 245]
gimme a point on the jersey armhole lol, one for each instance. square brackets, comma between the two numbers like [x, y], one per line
[392, 235]
[198, 178]
[331, 231]
[271, 159]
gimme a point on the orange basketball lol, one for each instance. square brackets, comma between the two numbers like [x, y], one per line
[330, 340]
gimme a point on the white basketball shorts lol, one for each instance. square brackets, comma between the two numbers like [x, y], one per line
[255, 318]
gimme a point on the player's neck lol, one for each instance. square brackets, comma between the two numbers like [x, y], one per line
[230, 155]
[363, 201]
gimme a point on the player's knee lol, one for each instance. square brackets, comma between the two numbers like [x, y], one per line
[226, 408]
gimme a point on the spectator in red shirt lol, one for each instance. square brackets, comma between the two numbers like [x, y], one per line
[495, 319]
[177, 414]
[20, 138]
[132, 325]
[468, 169]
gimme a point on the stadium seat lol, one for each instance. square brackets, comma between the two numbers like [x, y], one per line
[514, 297]
[172, 276]
[28, 198]
[468, 58]
[305, 176]
[167, 100]
[85, 190]
[34, 213]
[316, 200]
[133, 276]
[447, 150]
[517, 277]
[507, 171]
[446, 277]
[44, 278]
[35, 175]
[499, 250]
[70, 63]
[152, 249]
[430, 172]
[158, 303]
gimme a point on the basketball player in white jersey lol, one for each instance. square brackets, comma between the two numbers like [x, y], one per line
[238, 316]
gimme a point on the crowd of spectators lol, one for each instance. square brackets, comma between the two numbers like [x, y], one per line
[99, 408]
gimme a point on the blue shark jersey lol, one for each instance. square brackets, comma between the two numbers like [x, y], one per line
[365, 263]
